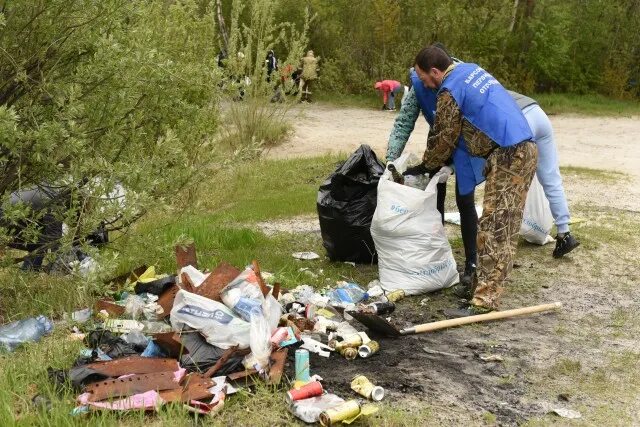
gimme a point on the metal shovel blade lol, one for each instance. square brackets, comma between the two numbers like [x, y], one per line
[375, 323]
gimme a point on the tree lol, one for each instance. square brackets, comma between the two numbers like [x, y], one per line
[99, 94]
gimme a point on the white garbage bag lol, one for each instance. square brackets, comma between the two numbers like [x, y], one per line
[413, 250]
[537, 219]
[215, 321]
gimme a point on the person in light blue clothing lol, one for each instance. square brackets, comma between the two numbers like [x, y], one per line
[548, 171]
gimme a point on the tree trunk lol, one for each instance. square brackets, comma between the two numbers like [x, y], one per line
[222, 28]
[514, 14]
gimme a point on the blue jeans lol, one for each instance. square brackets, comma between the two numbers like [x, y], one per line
[391, 102]
[548, 170]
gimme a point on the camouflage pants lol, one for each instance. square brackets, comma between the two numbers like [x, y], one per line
[508, 173]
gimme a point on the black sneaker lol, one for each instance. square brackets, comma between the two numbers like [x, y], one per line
[464, 289]
[564, 245]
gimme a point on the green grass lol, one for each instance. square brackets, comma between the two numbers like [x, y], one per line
[591, 105]
[221, 222]
[369, 100]
[600, 175]
[552, 103]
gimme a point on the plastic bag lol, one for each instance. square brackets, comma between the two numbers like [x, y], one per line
[243, 295]
[195, 276]
[537, 219]
[346, 293]
[272, 311]
[217, 323]
[134, 306]
[259, 342]
[14, 334]
[346, 203]
[413, 250]
[309, 410]
[202, 355]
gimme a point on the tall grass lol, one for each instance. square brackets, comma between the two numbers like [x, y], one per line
[255, 124]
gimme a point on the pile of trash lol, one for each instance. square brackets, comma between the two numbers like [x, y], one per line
[196, 337]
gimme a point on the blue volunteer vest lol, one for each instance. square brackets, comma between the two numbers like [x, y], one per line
[469, 169]
[487, 105]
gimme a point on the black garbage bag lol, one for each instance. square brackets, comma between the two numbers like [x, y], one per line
[113, 346]
[346, 203]
[203, 355]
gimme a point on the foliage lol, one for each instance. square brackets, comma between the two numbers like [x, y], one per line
[99, 94]
[581, 46]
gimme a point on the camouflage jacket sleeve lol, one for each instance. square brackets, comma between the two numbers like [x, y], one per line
[443, 138]
[403, 125]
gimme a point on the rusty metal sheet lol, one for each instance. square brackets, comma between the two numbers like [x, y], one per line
[244, 377]
[186, 283]
[173, 395]
[166, 300]
[216, 281]
[256, 269]
[134, 384]
[170, 342]
[110, 307]
[275, 292]
[278, 359]
[230, 352]
[134, 365]
[196, 387]
[186, 255]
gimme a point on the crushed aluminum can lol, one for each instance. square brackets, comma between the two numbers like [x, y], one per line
[354, 340]
[364, 387]
[347, 410]
[368, 349]
[379, 308]
[349, 353]
[395, 296]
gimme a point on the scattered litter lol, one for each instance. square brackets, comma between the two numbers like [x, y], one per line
[346, 293]
[361, 385]
[396, 295]
[352, 264]
[17, 333]
[123, 326]
[307, 256]
[567, 413]
[491, 358]
[302, 365]
[368, 349]
[311, 389]
[454, 217]
[80, 316]
[309, 410]
[424, 302]
[185, 339]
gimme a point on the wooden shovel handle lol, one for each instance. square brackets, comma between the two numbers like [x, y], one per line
[442, 324]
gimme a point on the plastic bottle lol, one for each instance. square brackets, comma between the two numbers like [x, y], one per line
[347, 293]
[14, 334]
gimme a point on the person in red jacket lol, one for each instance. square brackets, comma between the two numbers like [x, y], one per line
[389, 89]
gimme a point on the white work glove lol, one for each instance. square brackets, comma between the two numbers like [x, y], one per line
[443, 174]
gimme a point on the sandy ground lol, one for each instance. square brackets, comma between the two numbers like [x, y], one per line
[526, 374]
[593, 142]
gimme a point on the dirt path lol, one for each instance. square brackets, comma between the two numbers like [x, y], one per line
[593, 142]
[583, 358]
